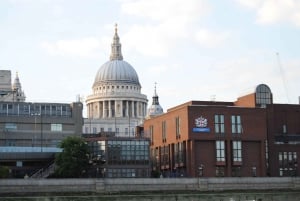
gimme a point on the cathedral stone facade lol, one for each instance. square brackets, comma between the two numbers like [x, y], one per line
[117, 104]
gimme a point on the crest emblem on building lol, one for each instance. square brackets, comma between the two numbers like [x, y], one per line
[201, 122]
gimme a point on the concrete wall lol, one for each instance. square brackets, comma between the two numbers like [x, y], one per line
[134, 185]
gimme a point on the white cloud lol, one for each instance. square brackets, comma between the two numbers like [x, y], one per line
[167, 9]
[210, 39]
[167, 22]
[274, 11]
[85, 48]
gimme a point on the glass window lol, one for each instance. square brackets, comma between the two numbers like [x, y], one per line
[220, 171]
[164, 137]
[263, 95]
[236, 124]
[177, 122]
[151, 133]
[287, 163]
[219, 124]
[56, 127]
[10, 126]
[237, 151]
[220, 151]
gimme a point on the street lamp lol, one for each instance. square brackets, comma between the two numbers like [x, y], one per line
[41, 116]
[296, 168]
[254, 171]
[200, 170]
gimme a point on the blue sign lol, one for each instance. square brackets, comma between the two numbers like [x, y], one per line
[201, 130]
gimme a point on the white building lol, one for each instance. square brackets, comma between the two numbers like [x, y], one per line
[117, 104]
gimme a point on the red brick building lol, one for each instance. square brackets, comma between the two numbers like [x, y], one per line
[284, 139]
[207, 138]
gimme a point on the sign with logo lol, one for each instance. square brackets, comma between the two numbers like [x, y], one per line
[201, 125]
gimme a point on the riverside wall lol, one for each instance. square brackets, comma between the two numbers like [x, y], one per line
[23, 186]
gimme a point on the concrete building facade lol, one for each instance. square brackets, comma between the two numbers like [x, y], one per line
[30, 133]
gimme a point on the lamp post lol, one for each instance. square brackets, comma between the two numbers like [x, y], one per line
[200, 170]
[41, 126]
[254, 171]
[296, 168]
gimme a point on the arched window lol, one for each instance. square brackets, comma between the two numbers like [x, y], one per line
[263, 95]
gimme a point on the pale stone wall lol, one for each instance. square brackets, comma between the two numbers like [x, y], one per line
[134, 185]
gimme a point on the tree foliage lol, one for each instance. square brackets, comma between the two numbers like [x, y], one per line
[73, 160]
[4, 172]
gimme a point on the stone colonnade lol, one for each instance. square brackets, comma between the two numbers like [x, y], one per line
[117, 108]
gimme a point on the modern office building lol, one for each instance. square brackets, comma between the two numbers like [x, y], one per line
[119, 157]
[30, 133]
[117, 104]
[249, 137]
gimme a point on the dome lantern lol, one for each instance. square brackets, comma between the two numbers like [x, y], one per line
[116, 53]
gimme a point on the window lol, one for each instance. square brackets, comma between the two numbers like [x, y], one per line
[177, 122]
[287, 163]
[220, 151]
[164, 134]
[263, 95]
[151, 134]
[236, 171]
[220, 171]
[126, 131]
[56, 127]
[236, 125]
[94, 130]
[179, 154]
[128, 152]
[237, 151]
[10, 126]
[164, 156]
[219, 124]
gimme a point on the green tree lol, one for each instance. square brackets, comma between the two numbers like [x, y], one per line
[4, 172]
[73, 159]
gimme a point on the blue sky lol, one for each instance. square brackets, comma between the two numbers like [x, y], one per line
[193, 49]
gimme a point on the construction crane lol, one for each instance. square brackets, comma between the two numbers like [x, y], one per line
[283, 77]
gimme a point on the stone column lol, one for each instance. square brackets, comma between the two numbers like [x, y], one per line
[138, 108]
[99, 109]
[109, 108]
[127, 109]
[103, 109]
[132, 108]
[116, 107]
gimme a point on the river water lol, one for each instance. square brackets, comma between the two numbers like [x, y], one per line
[268, 196]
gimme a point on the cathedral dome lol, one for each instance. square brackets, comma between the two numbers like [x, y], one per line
[117, 71]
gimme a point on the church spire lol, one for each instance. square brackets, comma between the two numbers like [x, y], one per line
[155, 96]
[116, 53]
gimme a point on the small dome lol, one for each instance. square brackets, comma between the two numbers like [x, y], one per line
[117, 71]
[155, 109]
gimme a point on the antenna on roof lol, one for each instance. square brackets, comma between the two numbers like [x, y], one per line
[282, 77]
